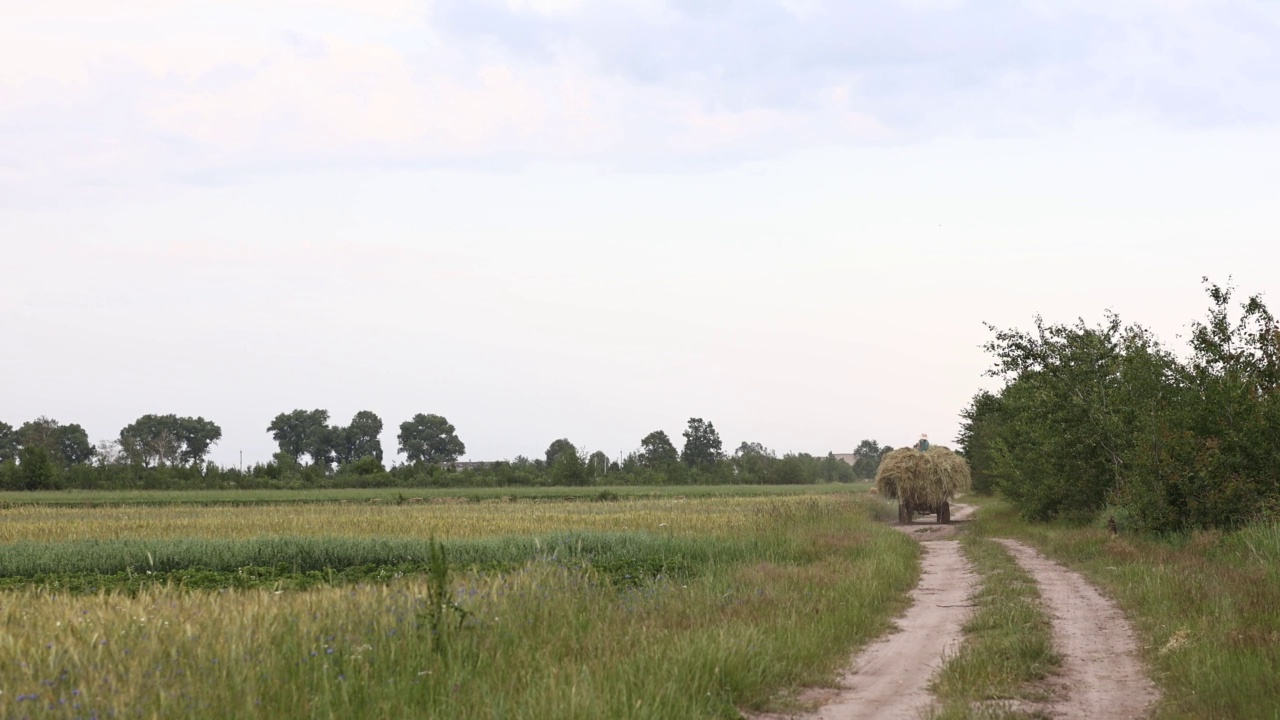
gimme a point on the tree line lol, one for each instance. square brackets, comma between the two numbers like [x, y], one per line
[1105, 418]
[169, 452]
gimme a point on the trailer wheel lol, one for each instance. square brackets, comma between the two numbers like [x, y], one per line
[944, 513]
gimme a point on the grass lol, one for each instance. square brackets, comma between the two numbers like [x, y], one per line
[721, 515]
[778, 603]
[1206, 606]
[391, 495]
[1007, 647]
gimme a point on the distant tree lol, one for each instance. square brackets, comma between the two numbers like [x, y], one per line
[559, 447]
[198, 436]
[36, 470]
[168, 440]
[656, 451]
[430, 439]
[702, 446]
[304, 432]
[866, 458]
[753, 461]
[151, 440]
[8, 442]
[599, 464]
[358, 440]
[66, 443]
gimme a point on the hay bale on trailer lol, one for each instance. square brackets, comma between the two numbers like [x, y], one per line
[923, 481]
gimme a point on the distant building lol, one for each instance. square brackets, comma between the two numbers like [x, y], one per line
[849, 458]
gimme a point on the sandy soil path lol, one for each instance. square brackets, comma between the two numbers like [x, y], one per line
[890, 678]
[1102, 677]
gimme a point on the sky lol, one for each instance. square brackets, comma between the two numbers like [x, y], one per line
[591, 219]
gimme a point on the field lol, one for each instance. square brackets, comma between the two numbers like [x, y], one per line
[651, 603]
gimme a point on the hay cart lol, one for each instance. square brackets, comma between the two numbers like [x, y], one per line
[923, 482]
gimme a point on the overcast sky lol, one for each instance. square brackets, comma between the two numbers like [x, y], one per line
[589, 219]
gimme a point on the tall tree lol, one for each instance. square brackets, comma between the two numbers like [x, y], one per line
[8, 442]
[866, 458]
[67, 443]
[198, 437]
[358, 440]
[430, 439]
[559, 447]
[304, 432]
[599, 463]
[702, 446]
[656, 451]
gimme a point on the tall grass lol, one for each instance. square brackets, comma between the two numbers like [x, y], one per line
[1206, 606]
[1008, 644]
[780, 605]
[697, 516]
[330, 495]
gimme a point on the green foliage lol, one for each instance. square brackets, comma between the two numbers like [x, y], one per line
[702, 446]
[430, 439]
[867, 457]
[168, 440]
[359, 440]
[8, 442]
[1091, 416]
[67, 444]
[558, 449]
[304, 432]
[36, 470]
[657, 452]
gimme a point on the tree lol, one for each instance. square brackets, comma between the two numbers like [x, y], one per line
[702, 446]
[430, 439]
[866, 458]
[67, 443]
[168, 440]
[303, 432]
[36, 469]
[358, 440]
[599, 463]
[753, 461]
[657, 452]
[8, 442]
[559, 447]
[198, 436]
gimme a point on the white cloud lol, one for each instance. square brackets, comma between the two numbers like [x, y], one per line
[149, 89]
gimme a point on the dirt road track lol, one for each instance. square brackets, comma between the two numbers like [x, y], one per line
[890, 678]
[1102, 677]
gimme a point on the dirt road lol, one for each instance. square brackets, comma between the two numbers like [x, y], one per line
[1101, 676]
[890, 678]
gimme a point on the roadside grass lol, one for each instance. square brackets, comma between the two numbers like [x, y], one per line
[666, 515]
[545, 640]
[1205, 605]
[1008, 646]
[233, 496]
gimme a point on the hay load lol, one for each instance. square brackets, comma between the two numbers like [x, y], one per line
[923, 481]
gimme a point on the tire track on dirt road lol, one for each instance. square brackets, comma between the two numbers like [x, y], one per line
[890, 678]
[1101, 677]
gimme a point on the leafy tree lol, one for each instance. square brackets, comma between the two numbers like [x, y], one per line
[36, 470]
[67, 443]
[198, 436]
[430, 439]
[360, 439]
[8, 442]
[599, 464]
[657, 452]
[753, 462]
[168, 440]
[558, 448]
[866, 458]
[702, 446]
[304, 432]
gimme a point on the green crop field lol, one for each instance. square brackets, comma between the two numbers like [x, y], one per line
[657, 603]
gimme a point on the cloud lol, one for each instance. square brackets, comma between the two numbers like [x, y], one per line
[147, 90]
